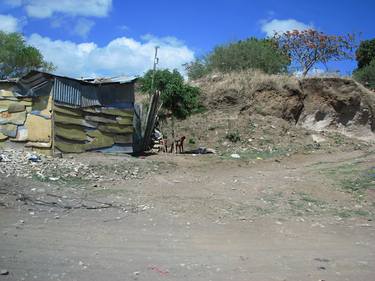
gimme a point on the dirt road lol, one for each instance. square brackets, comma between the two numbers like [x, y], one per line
[304, 217]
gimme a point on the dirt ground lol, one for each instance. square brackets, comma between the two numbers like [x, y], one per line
[204, 217]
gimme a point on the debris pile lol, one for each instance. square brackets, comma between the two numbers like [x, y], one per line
[32, 165]
[25, 164]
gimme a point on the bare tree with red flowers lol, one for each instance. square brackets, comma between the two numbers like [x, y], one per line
[309, 47]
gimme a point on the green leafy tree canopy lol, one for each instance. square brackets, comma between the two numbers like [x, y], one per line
[179, 99]
[252, 53]
[365, 53]
[366, 75]
[17, 58]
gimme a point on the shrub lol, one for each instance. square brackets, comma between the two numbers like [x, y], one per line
[233, 136]
[366, 75]
[365, 53]
[252, 53]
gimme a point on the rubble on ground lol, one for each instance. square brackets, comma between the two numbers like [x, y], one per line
[32, 165]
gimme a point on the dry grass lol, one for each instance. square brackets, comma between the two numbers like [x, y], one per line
[245, 82]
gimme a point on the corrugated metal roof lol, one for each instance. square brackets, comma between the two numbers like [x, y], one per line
[77, 93]
[66, 94]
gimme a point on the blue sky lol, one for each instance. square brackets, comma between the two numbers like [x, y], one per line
[113, 37]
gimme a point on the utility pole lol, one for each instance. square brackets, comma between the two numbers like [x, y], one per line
[156, 61]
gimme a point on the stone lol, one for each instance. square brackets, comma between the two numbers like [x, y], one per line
[70, 132]
[38, 144]
[118, 112]
[235, 155]
[47, 111]
[17, 118]
[3, 137]
[125, 120]
[39, 128]
[123, 139]
[100, 119]
[4, 272]
[16, 107]
[114, 128]
[95, 110]
[5, 102]
[100, 140]
[73, 120]
[6, 93]
[9, 130]
[67, 111]
[22, 134]
[317, 138]
[70, 147]
[47, 151]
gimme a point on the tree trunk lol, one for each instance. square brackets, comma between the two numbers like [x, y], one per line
[173, 134]
[305, 71]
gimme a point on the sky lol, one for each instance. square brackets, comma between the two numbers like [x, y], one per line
[117, 37]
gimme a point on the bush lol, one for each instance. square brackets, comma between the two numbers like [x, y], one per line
[252, 53]
[178, 99]
[366, 75]
[365, 53]
[233, 137]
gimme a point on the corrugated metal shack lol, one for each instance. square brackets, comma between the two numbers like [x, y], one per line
[55, 113]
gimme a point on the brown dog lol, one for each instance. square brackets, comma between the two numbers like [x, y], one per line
[180, 144]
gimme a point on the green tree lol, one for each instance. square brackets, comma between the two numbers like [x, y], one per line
[365, 53]
[252, 53]
[179, 100]
[366, 75]
[197, 69]
[17, 58]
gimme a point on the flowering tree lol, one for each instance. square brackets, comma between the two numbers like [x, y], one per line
[308, 47]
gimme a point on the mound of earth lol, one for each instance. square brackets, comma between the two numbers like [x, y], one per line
[319, 104]
[338, 104]
[268, 113]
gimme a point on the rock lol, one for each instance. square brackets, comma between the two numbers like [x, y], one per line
[67, 111]
[9, 130]
[22, 134]
[123, 139]
[101, 140]
[3, 137]
[16, 107]
[318, 139]
[69, 147]
[114, 128]
[124, 120]
[70, 132]
[235, 155]
[6, 93]
[39, 144]
[100, 119]
[39, 128]
[4, 272]
[73, 120]
[17, 118]
[118, 112]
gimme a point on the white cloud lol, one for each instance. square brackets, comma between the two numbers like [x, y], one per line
[271, 26]
[83, 27]
[122, 55]
[47, 8]
[9, 23]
